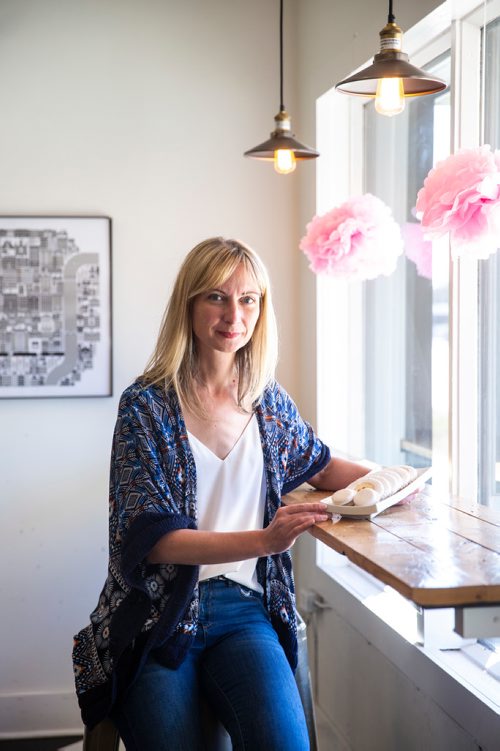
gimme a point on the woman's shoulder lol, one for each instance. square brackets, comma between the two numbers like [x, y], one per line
[152, 395]
[139, 389]
[276, 399]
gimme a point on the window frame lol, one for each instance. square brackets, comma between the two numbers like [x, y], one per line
[455, 26]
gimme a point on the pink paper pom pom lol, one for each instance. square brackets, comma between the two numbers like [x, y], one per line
[461, 195]
[357, 240]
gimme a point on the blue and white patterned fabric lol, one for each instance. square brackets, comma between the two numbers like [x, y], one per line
[153, 491]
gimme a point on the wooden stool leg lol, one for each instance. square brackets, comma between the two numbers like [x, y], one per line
[104, 737]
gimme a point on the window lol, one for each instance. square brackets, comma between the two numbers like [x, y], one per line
[409, 365]
[489, 297]
[405, 321]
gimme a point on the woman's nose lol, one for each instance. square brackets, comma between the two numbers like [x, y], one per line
[232, 310]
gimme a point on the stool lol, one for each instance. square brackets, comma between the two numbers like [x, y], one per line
[104, 737]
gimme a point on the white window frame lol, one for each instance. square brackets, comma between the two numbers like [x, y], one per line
[340, 408]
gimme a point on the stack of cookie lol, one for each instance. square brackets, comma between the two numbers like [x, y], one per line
[375, 486]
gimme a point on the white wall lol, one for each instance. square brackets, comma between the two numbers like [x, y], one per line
[140, 110]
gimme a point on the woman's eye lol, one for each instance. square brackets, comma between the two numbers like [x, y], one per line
[214, 297]
[249, 300]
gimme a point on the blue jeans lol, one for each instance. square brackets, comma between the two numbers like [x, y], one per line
[238, 665]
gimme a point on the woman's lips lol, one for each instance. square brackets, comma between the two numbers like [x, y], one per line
[229, 334]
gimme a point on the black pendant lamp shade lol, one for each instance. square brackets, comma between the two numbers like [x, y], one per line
[282, 147]
[391, 63]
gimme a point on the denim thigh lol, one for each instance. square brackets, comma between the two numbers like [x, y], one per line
[161, 710]
[238, 665]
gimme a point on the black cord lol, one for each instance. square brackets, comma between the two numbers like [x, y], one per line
[282, 106]
[391, 18]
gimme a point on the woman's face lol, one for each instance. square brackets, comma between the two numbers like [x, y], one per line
[224, 318]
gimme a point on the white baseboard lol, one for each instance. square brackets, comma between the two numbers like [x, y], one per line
[32, 715]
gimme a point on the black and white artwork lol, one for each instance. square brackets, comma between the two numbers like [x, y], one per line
[55, 306]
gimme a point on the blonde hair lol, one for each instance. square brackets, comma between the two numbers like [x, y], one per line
[174, 360]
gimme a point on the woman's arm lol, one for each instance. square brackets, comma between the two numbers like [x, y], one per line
[337, 474]
[194, 547]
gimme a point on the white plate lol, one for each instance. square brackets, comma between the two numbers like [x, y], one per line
[368, 512]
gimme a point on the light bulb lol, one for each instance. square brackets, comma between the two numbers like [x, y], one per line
[284, 161]
[390, 96]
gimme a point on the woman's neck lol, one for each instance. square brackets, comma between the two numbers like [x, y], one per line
[218, 376]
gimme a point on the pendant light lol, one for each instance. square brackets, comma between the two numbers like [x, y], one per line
[390, 78]
[282, 148]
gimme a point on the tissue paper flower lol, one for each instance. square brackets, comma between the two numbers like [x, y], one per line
[417, 248]
[461, 195]
[357, 240]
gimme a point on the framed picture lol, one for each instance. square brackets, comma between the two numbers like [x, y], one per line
[55, 306]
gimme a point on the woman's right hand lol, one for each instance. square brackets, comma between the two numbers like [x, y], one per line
[289, 522]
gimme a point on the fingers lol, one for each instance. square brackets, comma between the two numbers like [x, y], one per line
[300, 513]
[411, 496]
[305, 521]
[301, 524]
[315, 511]
[310, 522]
[300, 508]
[292, 521]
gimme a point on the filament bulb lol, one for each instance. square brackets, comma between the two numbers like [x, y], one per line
[284, 161]
[390, 96]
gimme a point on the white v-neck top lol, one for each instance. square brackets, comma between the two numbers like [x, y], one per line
[231, 495]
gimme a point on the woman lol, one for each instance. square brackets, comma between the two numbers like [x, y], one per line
[199, 598]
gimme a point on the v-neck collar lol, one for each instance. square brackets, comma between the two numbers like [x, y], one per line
[205, 448]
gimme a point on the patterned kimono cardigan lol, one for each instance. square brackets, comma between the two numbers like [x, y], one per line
[153, 491]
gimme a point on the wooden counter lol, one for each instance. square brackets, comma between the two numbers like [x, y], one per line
[437, 554]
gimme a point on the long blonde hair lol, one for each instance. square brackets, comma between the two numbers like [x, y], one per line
[174, 360]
